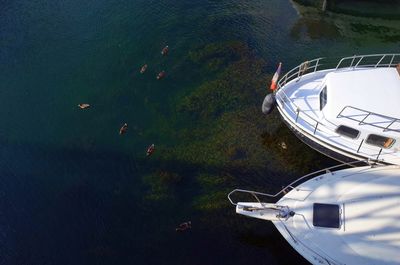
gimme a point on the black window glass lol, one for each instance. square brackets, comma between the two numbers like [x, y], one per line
[322, 98]
[380, 141]
[326, 215]
[347, 131]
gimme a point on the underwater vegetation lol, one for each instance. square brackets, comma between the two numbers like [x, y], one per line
[296, 154]
[161, 184]
[226, 142]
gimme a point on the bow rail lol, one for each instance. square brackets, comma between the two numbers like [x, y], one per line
[293, 184]
[356, 61]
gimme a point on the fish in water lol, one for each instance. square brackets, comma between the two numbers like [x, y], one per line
[161, 75]
[150, 150]
[123, 129]
[83, 105]
[184, 226]
[165, 50]
[143, 69]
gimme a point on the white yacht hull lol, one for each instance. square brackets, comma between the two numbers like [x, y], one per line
[318, 145]
[348, 216]
[315, 104]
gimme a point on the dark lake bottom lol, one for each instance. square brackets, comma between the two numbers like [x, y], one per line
[75, 191]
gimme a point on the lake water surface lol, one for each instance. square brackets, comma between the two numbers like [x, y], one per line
[73, 191]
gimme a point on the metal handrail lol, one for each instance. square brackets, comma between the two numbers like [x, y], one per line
[315, 65]
[298, 111]
[391, 120]
[298, 71]
[360, 58]
[326, 258]
[318, 125]
[293, 183]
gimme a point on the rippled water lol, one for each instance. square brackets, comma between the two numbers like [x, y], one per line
[73, 191]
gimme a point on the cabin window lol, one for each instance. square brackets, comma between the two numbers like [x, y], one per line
[326, 215]
[322, 98]
[380, 141]
[348, 132]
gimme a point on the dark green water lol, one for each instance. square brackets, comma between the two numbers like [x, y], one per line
[73, 191]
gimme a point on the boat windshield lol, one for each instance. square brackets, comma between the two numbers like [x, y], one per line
[322, 98]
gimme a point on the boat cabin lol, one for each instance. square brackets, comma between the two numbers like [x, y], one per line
[352, 112]
[347, 98]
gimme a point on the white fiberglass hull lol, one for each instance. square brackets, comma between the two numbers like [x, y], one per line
[298, 103]
[348, 216]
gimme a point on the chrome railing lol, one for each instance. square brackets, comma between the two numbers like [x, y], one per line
[371, 60]
[361, 116]
[300, 70]
[356, 61]
[294, 183]
[316, 125]
[323, 258]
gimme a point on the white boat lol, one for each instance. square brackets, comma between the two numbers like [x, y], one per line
[350, 111]
[349, 216]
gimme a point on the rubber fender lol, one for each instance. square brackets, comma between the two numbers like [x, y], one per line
[268, 104]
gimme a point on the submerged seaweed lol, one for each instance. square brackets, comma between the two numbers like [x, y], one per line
[226, 140]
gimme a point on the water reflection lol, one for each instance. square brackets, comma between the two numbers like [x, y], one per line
[314, 29]
[345, 21]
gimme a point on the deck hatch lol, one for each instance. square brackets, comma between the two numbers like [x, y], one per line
[326, 215]
[348, 131]
[380, 141]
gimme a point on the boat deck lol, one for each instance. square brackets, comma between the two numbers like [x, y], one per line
[369, 203]
[299, 104]
[304, 93]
